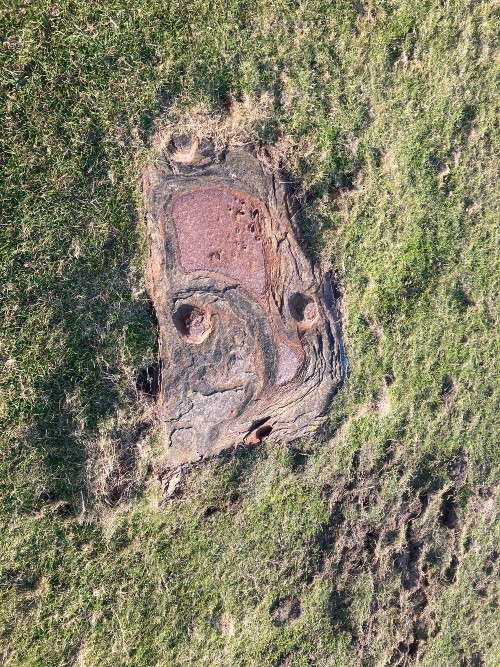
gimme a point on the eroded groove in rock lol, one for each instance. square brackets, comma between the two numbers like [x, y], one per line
[250, 343]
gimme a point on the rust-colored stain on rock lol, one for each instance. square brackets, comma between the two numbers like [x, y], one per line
[218, 231]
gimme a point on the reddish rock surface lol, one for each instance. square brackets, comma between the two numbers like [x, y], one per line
[250, 342]
[218, 231]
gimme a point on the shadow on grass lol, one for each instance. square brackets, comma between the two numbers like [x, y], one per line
[97, 316]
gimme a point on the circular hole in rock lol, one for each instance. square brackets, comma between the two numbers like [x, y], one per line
[263, 431]
[303, 308]
[192, 322]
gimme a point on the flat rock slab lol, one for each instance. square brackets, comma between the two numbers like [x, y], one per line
[250, 342]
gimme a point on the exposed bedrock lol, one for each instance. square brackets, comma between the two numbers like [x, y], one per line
[250, 343]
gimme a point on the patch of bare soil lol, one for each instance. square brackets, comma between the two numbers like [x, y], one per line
[285, 612]
[406, 558]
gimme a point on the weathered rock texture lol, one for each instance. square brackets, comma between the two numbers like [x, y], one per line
[249, 335]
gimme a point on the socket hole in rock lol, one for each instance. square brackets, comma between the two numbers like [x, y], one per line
[303, 309]
[192, 322]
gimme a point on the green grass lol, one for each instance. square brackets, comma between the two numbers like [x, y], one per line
[383, 530]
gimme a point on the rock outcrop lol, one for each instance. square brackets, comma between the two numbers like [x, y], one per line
[250, 343]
